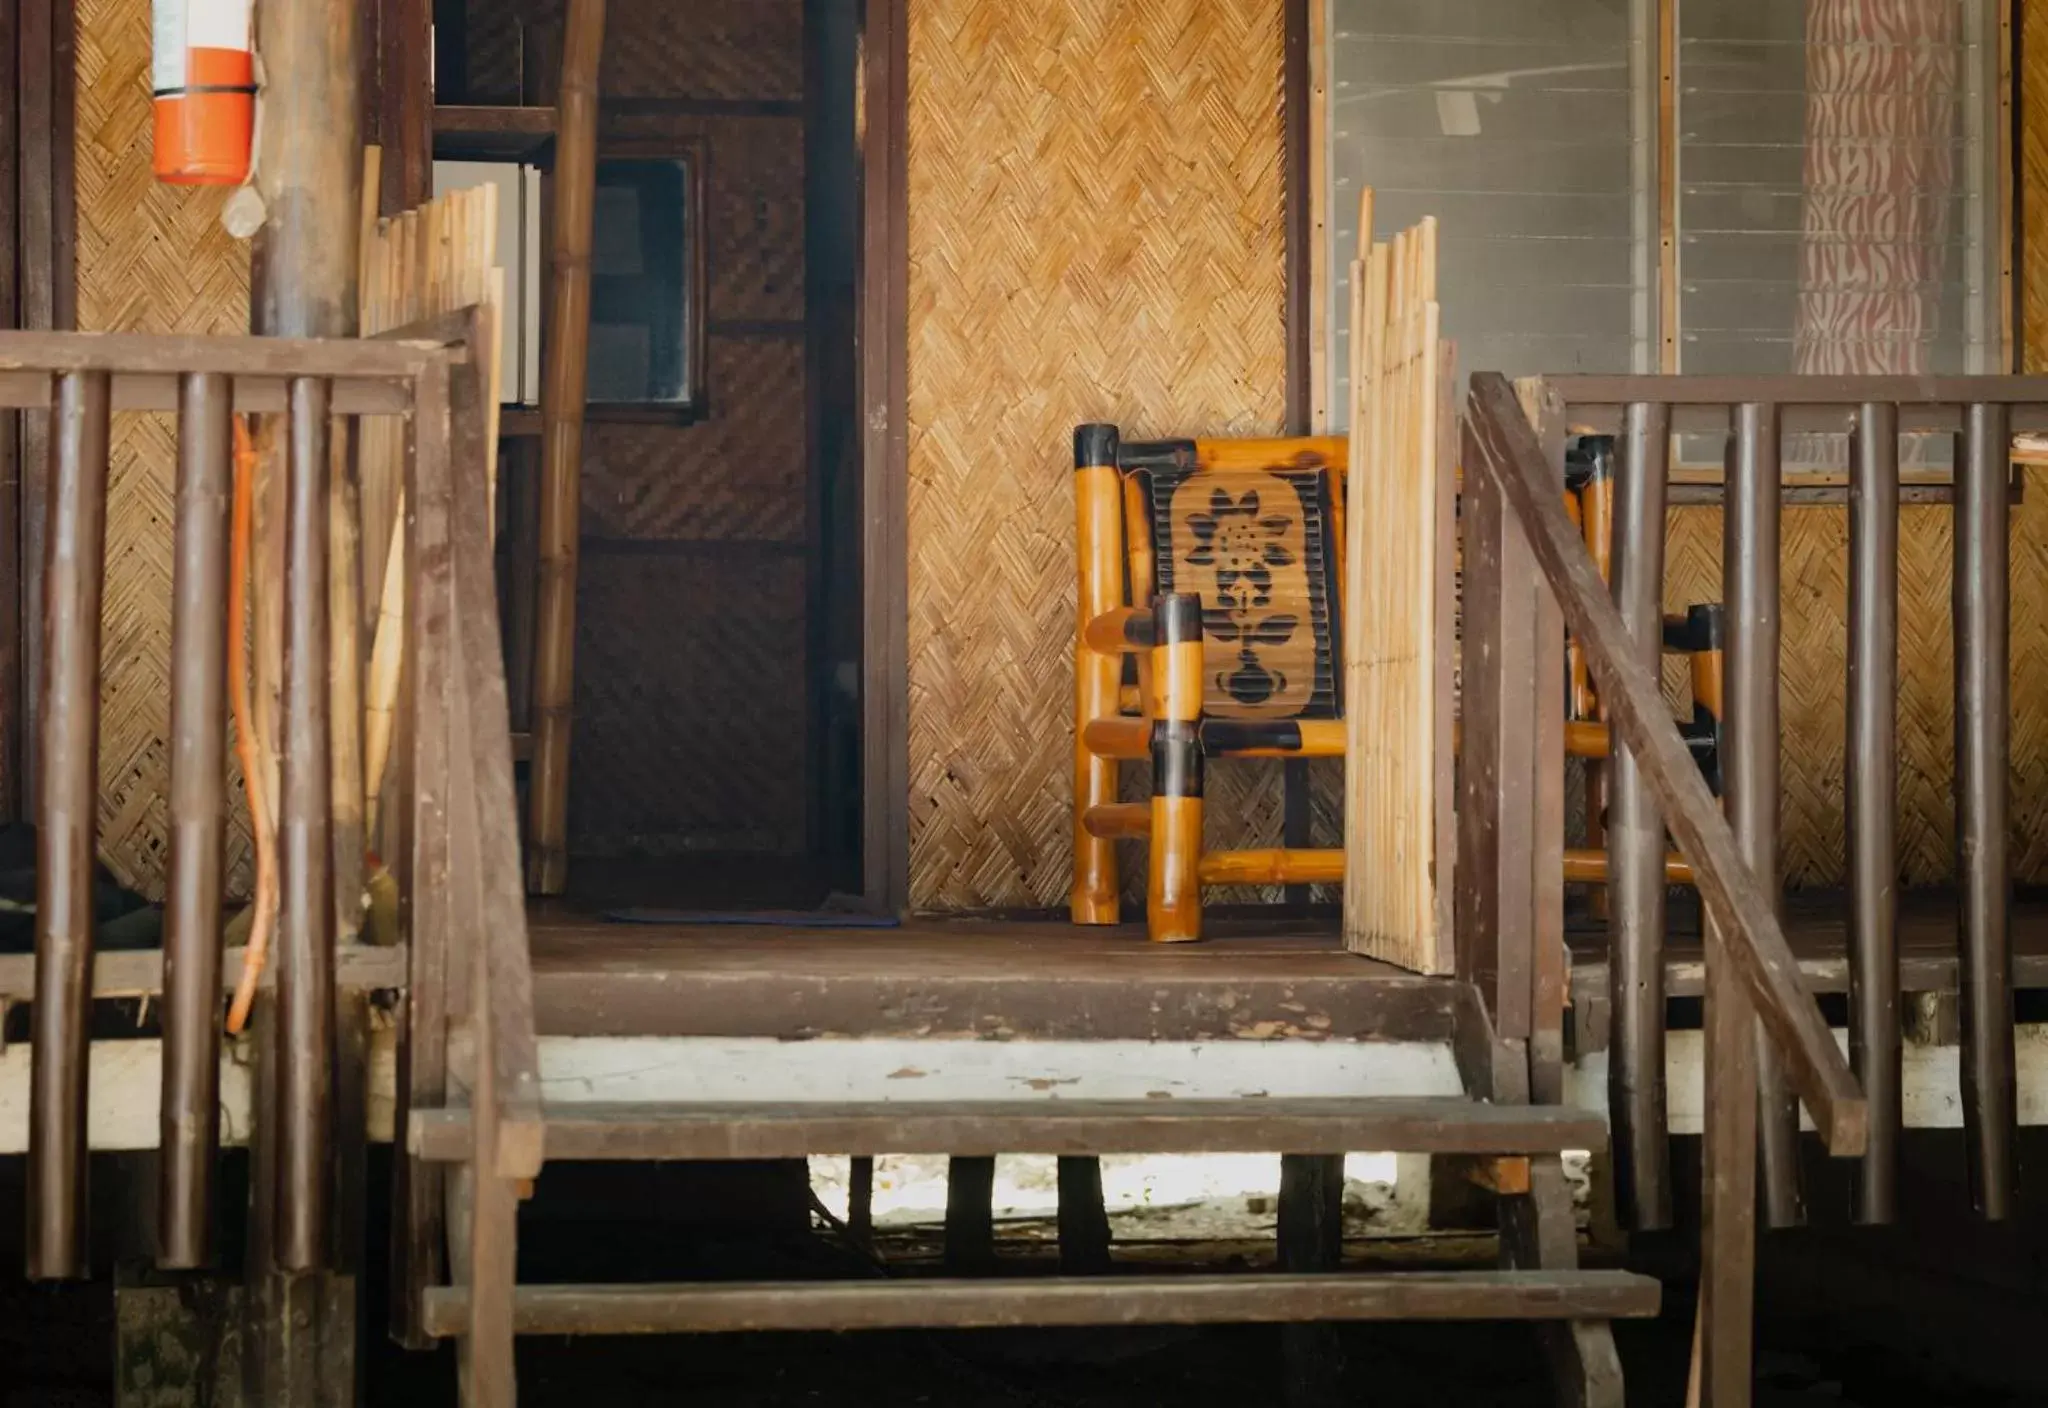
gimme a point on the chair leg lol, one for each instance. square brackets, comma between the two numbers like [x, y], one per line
[1173, 894]
[1098, 510]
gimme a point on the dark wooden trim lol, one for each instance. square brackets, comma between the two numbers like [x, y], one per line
[757, 327]
[406, 104]
[884, 397]
[1297, 823]
[465, 133]
[13, 696]
[741, 548]
[1843, 392]
[1300, 227]
[700, 107]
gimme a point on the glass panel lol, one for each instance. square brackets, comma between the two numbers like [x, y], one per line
[1522, 126]
[642, 259]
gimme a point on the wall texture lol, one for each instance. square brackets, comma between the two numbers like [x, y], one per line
[150, 258]
[1096, 204]
[690, 631]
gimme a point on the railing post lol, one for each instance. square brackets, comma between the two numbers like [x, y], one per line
[1729, 1148]
[1635, 845]
[417, 1221]
[305, 972]
[1982, 605]
[190, 1122]
[1497, 782]
[1750, 554]
[1871, 794]
[67, 802]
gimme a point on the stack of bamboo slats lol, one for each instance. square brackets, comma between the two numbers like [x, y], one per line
[438, 258]
[1398, 603]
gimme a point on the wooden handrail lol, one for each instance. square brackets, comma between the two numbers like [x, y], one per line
[1500, 444]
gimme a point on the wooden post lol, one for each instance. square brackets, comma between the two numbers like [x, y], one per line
[561, 411]
[1635, 845]
[1983, 612]
[1749, 765]
[303, 284]
[305, 970]
[1729, 1144]
[1871, 797]
[192, 935]
[67, 805]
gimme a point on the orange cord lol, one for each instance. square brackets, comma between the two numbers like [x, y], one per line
[245, 733]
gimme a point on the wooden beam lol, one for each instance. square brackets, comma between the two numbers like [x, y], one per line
[1121, 1300]
[1500, 445]
[566, 377]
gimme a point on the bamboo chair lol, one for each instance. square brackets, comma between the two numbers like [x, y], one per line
[1697, 634]
[1235, 549]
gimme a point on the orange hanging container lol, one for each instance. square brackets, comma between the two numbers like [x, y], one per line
[204, 76]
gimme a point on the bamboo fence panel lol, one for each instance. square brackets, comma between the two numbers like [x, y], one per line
[1396, 577]
[150, 258]
[437, 258]
[1095, 233]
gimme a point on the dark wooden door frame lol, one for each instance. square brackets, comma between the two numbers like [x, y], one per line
[884, 331]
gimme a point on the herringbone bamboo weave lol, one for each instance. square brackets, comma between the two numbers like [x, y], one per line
[1814, 678]
[151, 258]
[1096, 206]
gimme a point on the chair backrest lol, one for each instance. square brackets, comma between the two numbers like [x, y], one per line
[1254, 528]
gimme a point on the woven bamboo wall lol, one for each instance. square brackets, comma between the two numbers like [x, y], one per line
[1095, 233]
[151, 258]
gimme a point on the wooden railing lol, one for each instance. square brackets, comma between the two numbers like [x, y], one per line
[1525, 567]
[469, 1012]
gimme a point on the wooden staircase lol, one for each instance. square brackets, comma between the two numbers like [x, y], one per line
[1541, 1280]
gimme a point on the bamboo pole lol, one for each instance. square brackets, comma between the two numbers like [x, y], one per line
[190, 1122]
[562, 401]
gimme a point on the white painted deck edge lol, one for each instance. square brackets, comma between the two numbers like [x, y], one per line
[126, 1076]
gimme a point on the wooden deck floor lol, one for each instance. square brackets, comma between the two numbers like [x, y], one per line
[991, 979]
[1048, 980]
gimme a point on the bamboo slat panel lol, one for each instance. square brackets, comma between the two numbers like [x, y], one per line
[1399, 531]
[1095, 233]
[151, 258]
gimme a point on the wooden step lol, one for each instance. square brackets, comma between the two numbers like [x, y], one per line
[1040, 1126]
[1250, 1298]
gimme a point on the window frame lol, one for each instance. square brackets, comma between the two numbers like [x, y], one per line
[1990, 317]
[694, 153]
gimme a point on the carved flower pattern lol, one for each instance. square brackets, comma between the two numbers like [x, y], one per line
[1243, 546]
